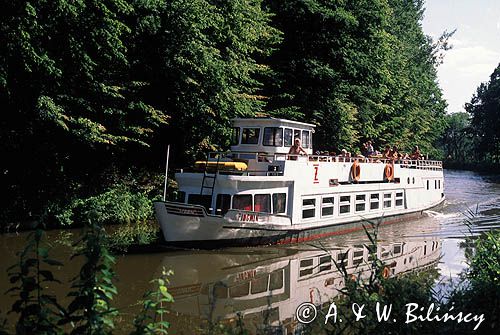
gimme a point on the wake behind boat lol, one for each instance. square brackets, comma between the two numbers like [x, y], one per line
[258, 193]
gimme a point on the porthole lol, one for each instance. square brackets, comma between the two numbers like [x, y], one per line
[408, 180]
[413, 180]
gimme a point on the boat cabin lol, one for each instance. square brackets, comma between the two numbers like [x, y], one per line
[270, 135]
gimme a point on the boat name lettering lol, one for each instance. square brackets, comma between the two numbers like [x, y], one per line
[246, 217]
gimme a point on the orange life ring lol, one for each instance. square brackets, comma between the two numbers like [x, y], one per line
[386, 272]
[356, 170]
[389, 172]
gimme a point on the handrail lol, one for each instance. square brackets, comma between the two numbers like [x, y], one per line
[261, 156]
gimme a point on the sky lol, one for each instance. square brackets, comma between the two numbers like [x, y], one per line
[476, 45]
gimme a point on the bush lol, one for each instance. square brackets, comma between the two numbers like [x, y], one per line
[117, 205]
[133, 234]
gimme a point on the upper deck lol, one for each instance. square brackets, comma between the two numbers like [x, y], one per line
[270, 135]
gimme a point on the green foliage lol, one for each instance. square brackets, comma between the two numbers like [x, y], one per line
[90, 311]
[484, 109]
[117, 205]
[458, 142]
[150, 319]
[39, 312]
[136, 234]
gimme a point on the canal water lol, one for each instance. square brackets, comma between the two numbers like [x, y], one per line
[266, 284]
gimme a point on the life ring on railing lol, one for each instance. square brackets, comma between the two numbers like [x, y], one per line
[389, 172]
[386, 272]
[356, 170]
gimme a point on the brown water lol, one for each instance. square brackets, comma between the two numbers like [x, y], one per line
[266, 284]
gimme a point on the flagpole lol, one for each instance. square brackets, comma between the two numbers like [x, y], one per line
[166, 174]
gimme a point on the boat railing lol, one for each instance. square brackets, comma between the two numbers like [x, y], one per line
[273, 157]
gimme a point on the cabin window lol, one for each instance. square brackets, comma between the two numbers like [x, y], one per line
[374, 201]
[408, 180]
[439, 183]
[435, 184]
[240, 290]
[203, 200]
[273, 137]
[306, 137]
[259, 285]
[276, 280]
[222, 204]
[397, 249]
[180, 196]
[308, 208]
[288, 138]
[428, 184]
[399, 199]
[296, 134]
[235, 136]
[357, 255]
[306, 267]
[360, 202]
[345, 204]
[262, 203]
[279, 203]
[242, 201]
[327, 204]
[413, 180]
[250, 136]
[325, 263]
[387, 200]
[342, 258]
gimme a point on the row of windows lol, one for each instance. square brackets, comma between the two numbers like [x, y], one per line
[265, 203]
[273, 136]
[257, 285]
[347, 203]
[437, 184]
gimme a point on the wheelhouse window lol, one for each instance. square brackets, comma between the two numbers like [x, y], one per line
[235, 136]
[279, 203]
[374, 201]
[308, 208]
[296, 134]
[387, 200]
[306, 139]
[242, 202]
[399, 199]
[203, 200]
[262, 203]
[288, 137]
[345, 204]
[273, 136]
[222, 204]
[360, 202]
[250, 136]
[327, 204]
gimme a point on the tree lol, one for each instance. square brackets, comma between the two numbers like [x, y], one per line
[485, 111]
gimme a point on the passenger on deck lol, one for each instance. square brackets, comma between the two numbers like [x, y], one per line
[395, 153]
[296, 149]
[416, 154]
[369, 149]
[387, 152]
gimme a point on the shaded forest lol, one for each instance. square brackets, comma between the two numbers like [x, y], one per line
[92, 91]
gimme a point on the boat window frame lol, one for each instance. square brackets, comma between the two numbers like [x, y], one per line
[306, 144]
[360, 202]
[375, 201]
[243, 135]
[273, 137]
[238, 195]
[222, 213]
[272, 203]
[309, 207]
[399, 198]
[269, 202]
[345, 203]
[387, 199]
[285, 144]
[327, 205]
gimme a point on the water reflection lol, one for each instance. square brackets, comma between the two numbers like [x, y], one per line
[266, 287]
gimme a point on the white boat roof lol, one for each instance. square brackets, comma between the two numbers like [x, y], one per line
[270, 121]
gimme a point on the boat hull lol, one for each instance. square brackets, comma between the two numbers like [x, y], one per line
[189, 226]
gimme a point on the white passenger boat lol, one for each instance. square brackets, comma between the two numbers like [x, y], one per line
[259, 194]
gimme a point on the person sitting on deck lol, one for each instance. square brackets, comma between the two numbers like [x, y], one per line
[387, 152]
[296, 149]
[369, 149]
[395, 153]
[416, 154]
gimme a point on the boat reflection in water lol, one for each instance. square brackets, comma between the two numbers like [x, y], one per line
[266, 287]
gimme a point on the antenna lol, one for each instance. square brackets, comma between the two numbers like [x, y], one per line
[166, 174]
